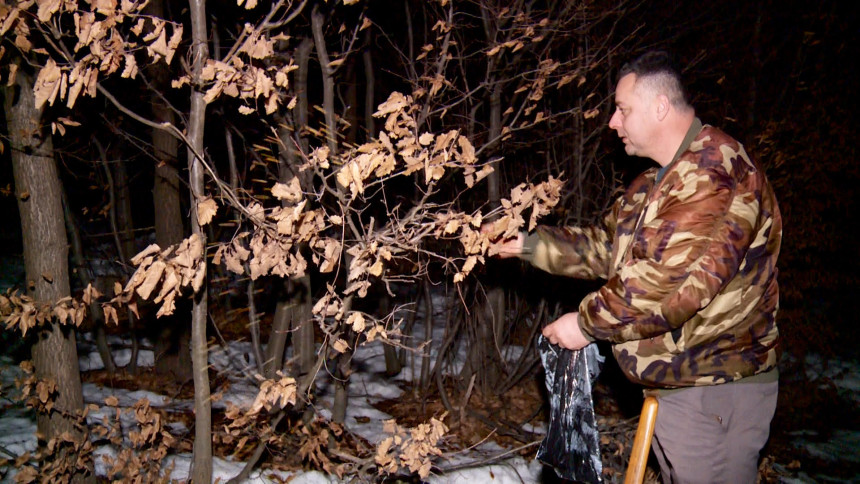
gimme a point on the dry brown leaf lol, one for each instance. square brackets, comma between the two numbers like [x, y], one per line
[158, 48]
[206, 210]
[148, 251]
[258, 47]
[331, 254]
[151, 277]
[291, 192]
[377, 268]
[168, 307]
[47, 8]
[375, 331]
[340, 345]
[47, 83]
[9, 20]
[356, 320]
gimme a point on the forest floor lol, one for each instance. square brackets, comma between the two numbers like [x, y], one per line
[815, 434]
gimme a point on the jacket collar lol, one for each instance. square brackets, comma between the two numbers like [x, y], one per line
[695, 129]
[692, 132]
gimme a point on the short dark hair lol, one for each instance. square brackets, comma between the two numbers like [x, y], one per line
[659, 73]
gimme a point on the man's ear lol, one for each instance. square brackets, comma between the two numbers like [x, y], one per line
[661, 106]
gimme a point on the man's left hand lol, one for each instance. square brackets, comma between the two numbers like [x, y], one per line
[566, 333]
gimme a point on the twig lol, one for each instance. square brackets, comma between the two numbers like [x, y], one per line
[467, 395]
[254, 323]
[8, 452]
[492, 458]
[513, 432]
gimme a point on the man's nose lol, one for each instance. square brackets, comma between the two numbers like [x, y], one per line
[614, 121]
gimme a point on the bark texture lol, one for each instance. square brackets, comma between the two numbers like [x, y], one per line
[46, 250]
[202, 459]
[172, 339]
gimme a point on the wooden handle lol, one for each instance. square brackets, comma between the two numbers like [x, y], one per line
[642, 443]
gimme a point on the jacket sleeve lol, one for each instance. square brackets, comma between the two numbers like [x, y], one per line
[581, 252]
[690, 245]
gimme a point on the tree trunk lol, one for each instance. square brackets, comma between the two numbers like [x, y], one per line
[124, 220]
[303, 55]
[120, 216]
[351, 99]
[172, 335]
[46, 250]
[369, 85]
[317, 20]
[492, 326]
[293, 314]
[291, 317]
[202, 460]
[392, 361]
[85, 274]
[342, 369]
[165, 191]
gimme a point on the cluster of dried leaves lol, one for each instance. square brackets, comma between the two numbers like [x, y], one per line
[141, 447]
[36, 393]
[147, 444]
[24, 313]
[410, 448]
[62, 458]
[108, 34]
[170, 270]
[115, 36]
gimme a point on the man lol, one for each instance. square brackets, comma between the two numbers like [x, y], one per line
[689, 255]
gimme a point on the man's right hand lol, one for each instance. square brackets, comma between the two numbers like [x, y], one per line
[506, 248]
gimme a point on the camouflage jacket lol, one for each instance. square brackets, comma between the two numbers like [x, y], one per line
[690, 264]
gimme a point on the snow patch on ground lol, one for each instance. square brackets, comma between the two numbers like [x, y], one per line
[842, 373]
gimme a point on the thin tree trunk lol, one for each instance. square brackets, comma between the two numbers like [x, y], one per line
[254, 326]
[496, 295]
[351, 99]
[424, 382]
[303, 56]
[253, 316]
[293, 312]
[46, 250]
[83, 271]
[166, 190]
[392, 361]
[124, 221]
[492, 327]
[492, 331]
[202, 459]
[317, 20]
[342, 372]
[369, 85]
[123, 250]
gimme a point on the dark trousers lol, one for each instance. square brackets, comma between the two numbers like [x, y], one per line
[713, 434]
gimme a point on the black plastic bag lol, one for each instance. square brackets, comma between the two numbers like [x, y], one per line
[572, 443]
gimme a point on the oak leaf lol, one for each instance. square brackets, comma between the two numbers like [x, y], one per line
[356, 320]
[47, 84]
[340, 345]
[291, 192]
[206, 209]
